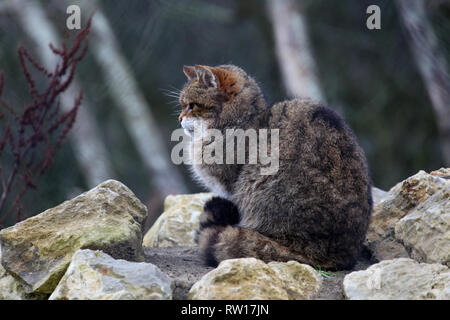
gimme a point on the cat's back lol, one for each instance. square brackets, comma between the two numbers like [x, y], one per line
[305, 112]
[309, 129]
[318, 150]
[290, 112]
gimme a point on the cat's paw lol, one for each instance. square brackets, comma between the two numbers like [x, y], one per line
[219, 212]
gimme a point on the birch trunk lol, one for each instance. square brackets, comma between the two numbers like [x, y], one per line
[296, 62]
[89, 150]
[129, 99]
[431, 63]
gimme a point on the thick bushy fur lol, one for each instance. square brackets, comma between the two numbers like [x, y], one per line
[315, 209]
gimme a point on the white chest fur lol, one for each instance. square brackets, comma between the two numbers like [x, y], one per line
[196, 128]
[209, 181]
[204, 177]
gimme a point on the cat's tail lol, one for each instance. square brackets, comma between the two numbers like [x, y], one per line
[220, 238]
[219, 243]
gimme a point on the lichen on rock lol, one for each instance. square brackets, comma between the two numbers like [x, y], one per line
[39, 249]
[94, 275]
[252, 279]
[401, 200]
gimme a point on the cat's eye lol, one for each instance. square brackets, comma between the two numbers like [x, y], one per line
[191, 106]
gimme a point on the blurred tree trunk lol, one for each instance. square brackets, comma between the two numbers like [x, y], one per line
[293, 50]
[131, 102]
[89, 150]
[431, 64]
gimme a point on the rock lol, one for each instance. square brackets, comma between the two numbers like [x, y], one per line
[401, 199]
[39, 249]
[94, 275]
[425, 231]
[10, 288]
[252, 279]
[13, 289]
[399, 279]
[179, 221]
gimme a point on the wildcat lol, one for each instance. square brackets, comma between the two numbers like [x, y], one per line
[315, 209]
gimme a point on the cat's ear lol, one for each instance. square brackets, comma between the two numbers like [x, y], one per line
[215, 77]
[206, 76]
[227, 81]
[190, 73]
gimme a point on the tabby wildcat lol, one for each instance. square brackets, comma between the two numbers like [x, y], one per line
[314, 210]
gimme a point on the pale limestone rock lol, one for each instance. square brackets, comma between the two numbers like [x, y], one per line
[252, 279]
[301, 281]
[94, 275]
[399, 279]
[179, 221]
[401, 199]
[425, 231]
[39, 249]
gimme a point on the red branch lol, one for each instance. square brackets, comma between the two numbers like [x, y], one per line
[38, 131]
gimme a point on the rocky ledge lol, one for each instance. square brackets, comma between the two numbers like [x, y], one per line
[92, 247]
